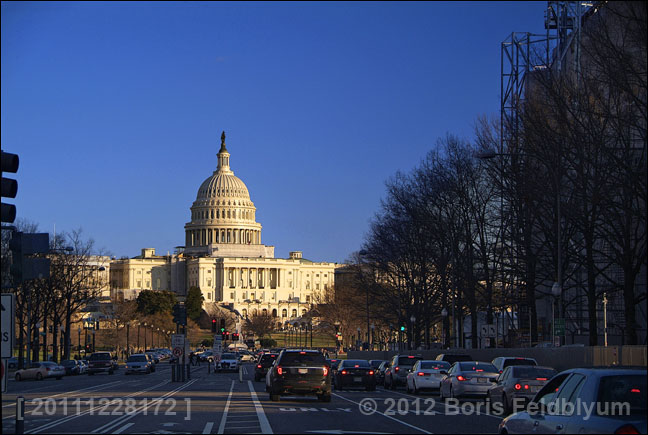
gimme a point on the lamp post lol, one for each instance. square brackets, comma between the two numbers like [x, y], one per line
[79, 348]
[127, 339]
[337, 340]
[138, 336]
[145, 338]
[371, 341]
[444, 314]
[362, 254]
[412, 323]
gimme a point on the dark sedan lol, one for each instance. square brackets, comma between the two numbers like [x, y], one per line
[355, 373]
[72, 367]
[299, 372]
[265, 362]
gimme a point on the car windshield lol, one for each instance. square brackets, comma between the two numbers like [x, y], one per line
[518, 362]
[228, 356]
[375, 363]
[533, 372]
[356, 363]
[434, 365]
[477, 367]
[407, 361]
[626, 392]
[137, 358]
[268, 358]
[303, 359]
[99, 356]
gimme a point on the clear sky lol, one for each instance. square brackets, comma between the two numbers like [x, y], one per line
[116, 109]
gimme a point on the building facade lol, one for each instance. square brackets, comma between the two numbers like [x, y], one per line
[224, 257]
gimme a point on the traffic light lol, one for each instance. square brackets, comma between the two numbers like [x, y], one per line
[9, 163]
[176, 313]
[213, 325]
[180, 314]
[222, 322]
[235, 336]
[227, 335]
[24, 266]
[402, 328]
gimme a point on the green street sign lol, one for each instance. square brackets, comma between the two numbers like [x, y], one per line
[559, 327]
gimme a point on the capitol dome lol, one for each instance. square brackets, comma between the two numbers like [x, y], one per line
[222, 212]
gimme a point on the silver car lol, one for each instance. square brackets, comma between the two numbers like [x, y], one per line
[468, 378]
[518, 384]
[593, 400]
[138, 363]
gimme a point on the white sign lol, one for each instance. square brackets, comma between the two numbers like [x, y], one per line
[488, 331]
[8, 321]
[177, 340]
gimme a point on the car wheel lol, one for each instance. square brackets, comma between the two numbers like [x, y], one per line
[39, 376]
[18, 378]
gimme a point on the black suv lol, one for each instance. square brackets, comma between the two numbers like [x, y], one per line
[100, 362]
[265, 362]
[300, 372]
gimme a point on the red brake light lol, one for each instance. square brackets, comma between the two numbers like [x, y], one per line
[259, 366]
[627, 429]
[326, 370]
[396, 368]
[302, 353]
[356, 366]
[410, 357]
[420, 374]
[635, 390]
[344, 372]
[518, 387]
[279, 371]
[461, 378]
[526, 387]
[371, 372]
[479, 370]
[541, 379]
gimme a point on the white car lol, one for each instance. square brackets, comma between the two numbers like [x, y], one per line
[426, 375]
[138, 363]
[228, 361]
[246, 356]
[40, 371]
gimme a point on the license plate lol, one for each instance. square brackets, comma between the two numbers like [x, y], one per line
[357, 379]
[482, 380]
[303, 371]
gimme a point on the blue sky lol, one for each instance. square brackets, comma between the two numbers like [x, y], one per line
[116, 109]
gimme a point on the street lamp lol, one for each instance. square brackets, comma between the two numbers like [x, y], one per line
[605, 329]
[372, 337]
[362, 254]
[145, 338]
[79, 348]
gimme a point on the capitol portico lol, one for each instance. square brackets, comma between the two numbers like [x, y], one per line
[224, 257]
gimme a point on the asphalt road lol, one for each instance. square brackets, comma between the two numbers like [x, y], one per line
[222, 403]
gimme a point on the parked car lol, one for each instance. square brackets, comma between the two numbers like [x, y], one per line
[139, 363]
[12, 363]
[154, 356]
[375, 363]
[72, 367]
[502, 362]
[40, 371]
[354, 373]
[616, 397]
[399, 366]
[517, 385]
[468, 378]
[100, 362]
[453, 357]
[380, 373]
[426, 375]
[83, 367]
[265, 362]
[300, 372]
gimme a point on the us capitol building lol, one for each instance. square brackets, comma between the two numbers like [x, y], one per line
[223, 256]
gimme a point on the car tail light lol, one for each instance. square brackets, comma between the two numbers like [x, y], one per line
[420, 374]
[479, 370]
[526, 387]
[410, 357]
[259, 366]
[279, 371]
[326, 370]
[356, 366]
[344, 372]
[626, 429]
[302, 353]
[635, 390]
[396, 368]
[371, 372]
[541, 379]
[47, 369]
[461, 378]
[518, 387]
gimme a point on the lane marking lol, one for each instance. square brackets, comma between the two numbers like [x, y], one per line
[221, 427]
[263, 420]
[385, 415]
[123, 428]
[208, 427]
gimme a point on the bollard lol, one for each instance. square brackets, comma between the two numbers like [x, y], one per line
[20, 415]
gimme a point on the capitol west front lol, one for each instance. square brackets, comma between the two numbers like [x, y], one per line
[225, 258]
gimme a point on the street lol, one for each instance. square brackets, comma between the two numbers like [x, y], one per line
[222, 403]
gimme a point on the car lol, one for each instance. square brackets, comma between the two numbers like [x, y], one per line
[40, 371]
[12, 363]
[154, 356]
[453, 357]
[139, 363]
[72, 367]
[299, 372]
[615, 396]
[375, 363]
[355, 373]
[399, 366]
[246, 356]
[518, 384]
[265, 362]
[380, 373]
[503, 362]
[100, 362]
[426, 375]
[83, 367]
[206, 356]
[228, 361]
[468, 378]
[151, 360]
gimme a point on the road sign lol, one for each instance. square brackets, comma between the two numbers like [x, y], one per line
[487, 331]
[177, 351]
[8, 322]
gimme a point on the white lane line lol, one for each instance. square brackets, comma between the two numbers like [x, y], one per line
[221, 427]
[208, 427]
[107, 428]
[263, 420]
[385, 415]
[123, 428]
